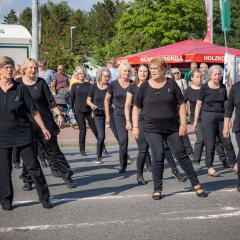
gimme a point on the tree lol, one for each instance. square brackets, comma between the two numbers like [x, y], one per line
[162, 21]
[25, 18]
[11, 18]
[234, 34]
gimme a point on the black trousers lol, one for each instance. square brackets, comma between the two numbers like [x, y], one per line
[238, 156]
[29, 158]
[212, 127]
[199, 145]
[16, 156]
[55, 157]
[112, 124]
[122, 133]
[100, 126]
[81, 121]
[187, 144]
[143, 150]
[175, 142]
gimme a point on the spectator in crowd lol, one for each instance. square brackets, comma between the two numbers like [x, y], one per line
[17, 71]
[162, 93]
[16, 131]
[60, 87]
[45, 73]
[211, 104]
[204, 71]
[187, 78]
[46, 104]
[113, 70]
[233, 103]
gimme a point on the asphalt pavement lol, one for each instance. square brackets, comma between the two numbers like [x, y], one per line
[109, 205]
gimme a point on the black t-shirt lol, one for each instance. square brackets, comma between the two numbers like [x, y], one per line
[79, 94]
[234, 101]
[44, 102]
[118, 95]
[213, 99]
[15, 127]
[160, 107]
[97, 95]
[191, 95]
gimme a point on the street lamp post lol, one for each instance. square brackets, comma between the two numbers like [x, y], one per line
[71, 40]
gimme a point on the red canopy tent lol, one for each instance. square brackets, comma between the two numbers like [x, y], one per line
[182, 52]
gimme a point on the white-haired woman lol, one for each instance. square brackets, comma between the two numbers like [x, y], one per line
[79, 106]
[117, 91]
[211, 102]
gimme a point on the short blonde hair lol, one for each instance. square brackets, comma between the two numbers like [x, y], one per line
[26, 64]
[123, 64]
[78, 69]
[160, 62]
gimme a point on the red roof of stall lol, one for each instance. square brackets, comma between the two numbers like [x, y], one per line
[182, 52]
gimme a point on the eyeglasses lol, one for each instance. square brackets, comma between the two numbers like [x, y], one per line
[155, 69]
[176, 73]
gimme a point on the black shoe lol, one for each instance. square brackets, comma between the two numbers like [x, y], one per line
[178, 175]
[17, 166]
[140, 179]
[46, 204]
[7, 206]
[27, 186]
[44, 163]
[55, 173]
[69, 183]
[225, 163]
[83, 153]
[122, 170]
[105, 150]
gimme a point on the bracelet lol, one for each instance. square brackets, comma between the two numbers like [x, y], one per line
[184, 125]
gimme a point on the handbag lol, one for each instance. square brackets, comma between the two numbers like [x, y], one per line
[99, 112]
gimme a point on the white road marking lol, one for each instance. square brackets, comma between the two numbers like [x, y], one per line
[122, 222]
[117, 197]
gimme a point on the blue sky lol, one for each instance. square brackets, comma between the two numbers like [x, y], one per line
[19, 5]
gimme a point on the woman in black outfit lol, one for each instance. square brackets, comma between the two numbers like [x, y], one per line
[211, 102]
[78, 104]
[117, 91]
[95, 100]
[44, 103]
[233, 102]
[16, 131]
[143, 147]
[162, 105]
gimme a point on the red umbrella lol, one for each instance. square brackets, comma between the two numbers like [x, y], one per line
[182, 52]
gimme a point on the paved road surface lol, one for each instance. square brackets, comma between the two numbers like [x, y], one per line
[106, 205]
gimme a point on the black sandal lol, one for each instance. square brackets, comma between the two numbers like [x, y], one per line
[200, 191]
[156, 195]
